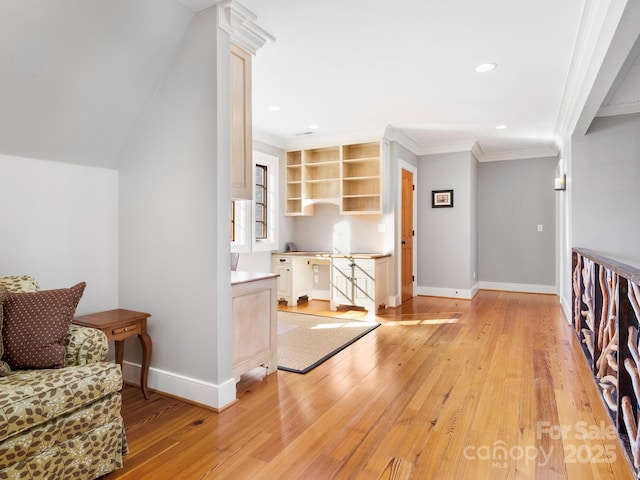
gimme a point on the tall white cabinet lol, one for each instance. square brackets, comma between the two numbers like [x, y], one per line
[241, 125]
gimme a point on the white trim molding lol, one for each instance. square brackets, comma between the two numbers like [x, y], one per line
[522, 154]
[192, 389]
[394, 134]
[448, 148]
[470, 293]
[584, 92]
[518, 287]
[465, 294]
[268, 138]
[240, 23]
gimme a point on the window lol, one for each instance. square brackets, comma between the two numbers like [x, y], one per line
[261, 212]
[261, 198]
[239, 222]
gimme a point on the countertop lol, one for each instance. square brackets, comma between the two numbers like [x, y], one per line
[335, 255]
[246, 277]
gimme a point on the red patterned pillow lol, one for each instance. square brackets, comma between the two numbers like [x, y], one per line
[36, 325]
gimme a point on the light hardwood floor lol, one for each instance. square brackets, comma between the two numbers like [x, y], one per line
[492, 388]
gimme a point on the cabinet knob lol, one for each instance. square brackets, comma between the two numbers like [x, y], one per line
[283, 259]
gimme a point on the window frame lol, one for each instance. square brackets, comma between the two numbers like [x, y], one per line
[245, 211]
[271, 162]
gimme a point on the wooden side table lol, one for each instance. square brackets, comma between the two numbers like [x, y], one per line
[120, 324]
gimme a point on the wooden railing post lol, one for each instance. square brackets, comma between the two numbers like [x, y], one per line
[606, 317]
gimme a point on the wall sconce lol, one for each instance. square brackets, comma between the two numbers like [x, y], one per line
[561, 183]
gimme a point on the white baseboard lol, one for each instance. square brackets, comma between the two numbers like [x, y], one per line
[448, 292]
[320, 294]
[198, 391]
[518, 287]
[566, 307]
[394, 301]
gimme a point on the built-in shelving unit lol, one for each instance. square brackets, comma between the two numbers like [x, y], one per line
[361, 179]
[346, 175]
[321, 174]
[294, 183]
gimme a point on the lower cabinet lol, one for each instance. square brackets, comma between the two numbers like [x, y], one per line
[361, 282]
[295, 281]
[254, 323]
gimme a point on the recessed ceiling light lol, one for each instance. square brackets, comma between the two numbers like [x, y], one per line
[274, 108]
[501, 127]
[485, 67]
[313, 126]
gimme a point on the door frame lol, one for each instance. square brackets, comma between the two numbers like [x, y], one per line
[404, 165]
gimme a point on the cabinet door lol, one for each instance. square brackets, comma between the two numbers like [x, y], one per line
[341, 285]
[382, 281]
[364, 284]
[301, 279]
[283, 289]
[241, 135]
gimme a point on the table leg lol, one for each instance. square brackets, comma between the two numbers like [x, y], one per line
[147, 348]
[119, 344]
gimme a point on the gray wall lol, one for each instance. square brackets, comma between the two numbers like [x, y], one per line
[446, 240]
[605, 180]
[514, 197]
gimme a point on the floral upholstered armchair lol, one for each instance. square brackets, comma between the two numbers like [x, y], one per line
[59, 401]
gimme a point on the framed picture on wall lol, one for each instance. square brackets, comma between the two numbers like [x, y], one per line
[441, 198]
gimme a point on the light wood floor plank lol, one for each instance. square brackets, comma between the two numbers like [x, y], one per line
[444, 388]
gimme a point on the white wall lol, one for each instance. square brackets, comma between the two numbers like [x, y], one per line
[175, 222]
[319, 231]
[474, 274]
[446, 240]
[60, 225]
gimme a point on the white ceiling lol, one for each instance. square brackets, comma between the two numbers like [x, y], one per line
[77, 75]
[360, 65]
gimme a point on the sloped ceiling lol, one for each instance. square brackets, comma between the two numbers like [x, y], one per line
[77, 74]
[624, 95]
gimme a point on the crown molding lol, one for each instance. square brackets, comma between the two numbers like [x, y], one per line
[465, 146]
[329, 139]
[477, 151]
[583, 68]
[268, 138]
[578, 107]
[394, 134]
[240, 23]
[523, 154]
